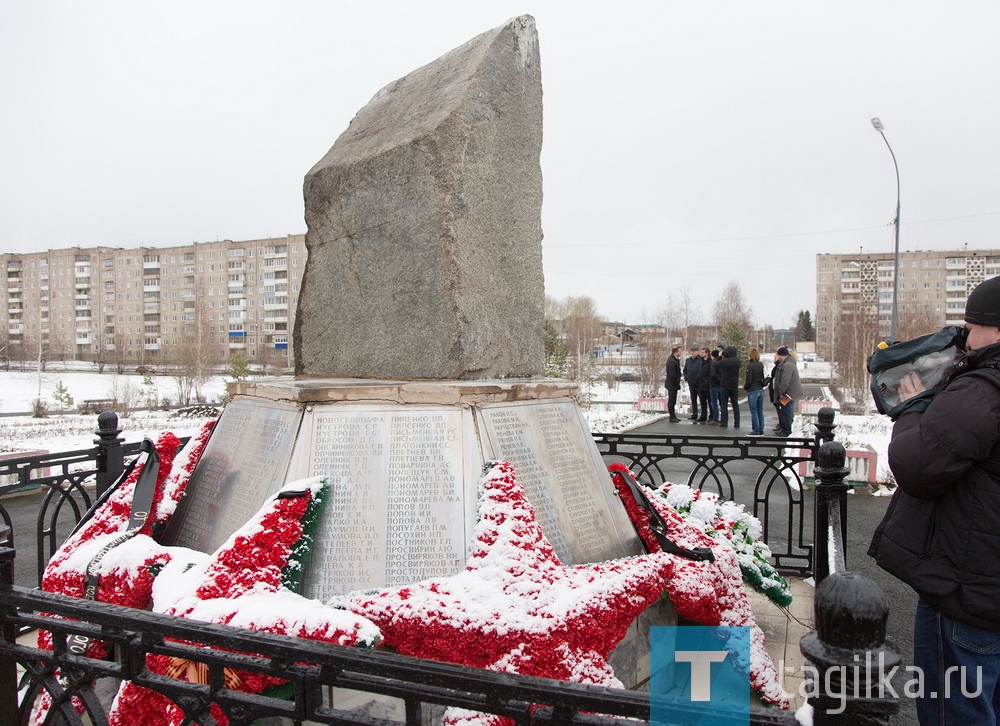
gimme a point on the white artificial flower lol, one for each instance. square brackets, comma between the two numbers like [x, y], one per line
[680, 496]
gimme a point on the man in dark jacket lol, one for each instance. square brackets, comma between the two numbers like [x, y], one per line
[713, 388]
[704, 383]
[672, 382]
[941, 533]
[692, 374]
[729, 384]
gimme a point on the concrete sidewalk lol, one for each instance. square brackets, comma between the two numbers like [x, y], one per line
[782, 631]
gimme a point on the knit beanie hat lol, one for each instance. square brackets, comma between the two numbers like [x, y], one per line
[983, 305]
[782, 350]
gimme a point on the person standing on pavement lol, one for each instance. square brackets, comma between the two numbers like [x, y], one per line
[941, 532]
[753, 384]
[713, 388]
[704, 383]
[729, 385]
[672, 382]
[692, 375]
[787, 389]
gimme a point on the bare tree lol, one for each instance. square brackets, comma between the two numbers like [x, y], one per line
[915, 320]
[857, 334]
[194, 356]
[580, 325]
[731, 307]
[653, 350]
[678, 313]
[119, 355]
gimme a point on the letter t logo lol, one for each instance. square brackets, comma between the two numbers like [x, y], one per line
[701, 670]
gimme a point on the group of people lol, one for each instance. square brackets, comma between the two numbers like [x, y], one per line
[712, 377]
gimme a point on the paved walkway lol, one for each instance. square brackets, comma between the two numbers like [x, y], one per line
[782, 631]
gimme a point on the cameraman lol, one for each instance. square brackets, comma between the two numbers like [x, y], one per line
[941, 533]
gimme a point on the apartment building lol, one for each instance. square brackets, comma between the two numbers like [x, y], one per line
[147, 306]
[933, 287]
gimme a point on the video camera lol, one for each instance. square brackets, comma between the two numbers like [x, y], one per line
[930, 357]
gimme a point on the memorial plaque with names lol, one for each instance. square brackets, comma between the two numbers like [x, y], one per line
[402, 493]
[563, 476]
[244, 463]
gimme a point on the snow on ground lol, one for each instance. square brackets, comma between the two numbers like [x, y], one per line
[68, 432]
[19, 388]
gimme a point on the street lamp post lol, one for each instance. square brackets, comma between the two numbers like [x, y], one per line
[895, 255]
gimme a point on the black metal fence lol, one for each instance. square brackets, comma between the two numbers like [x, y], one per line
[62, 478]
[326, 683]
[777, 496]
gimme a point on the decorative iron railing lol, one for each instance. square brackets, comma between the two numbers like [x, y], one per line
[64, 480]
[777, 496]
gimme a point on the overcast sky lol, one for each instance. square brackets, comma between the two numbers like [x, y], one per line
[686, 144]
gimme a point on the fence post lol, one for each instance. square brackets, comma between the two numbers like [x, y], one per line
[825, 425]
[8, 667]
[831, 509]
[848, 679]
[110, 453]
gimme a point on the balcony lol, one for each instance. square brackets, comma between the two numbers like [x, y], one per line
[151, 346]
[275, 265]
[83, 338]
[151, 307]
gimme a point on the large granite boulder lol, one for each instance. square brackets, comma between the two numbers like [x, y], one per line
[424, 224]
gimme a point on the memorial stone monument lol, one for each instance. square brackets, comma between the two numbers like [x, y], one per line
[424, 224]
[418, 329]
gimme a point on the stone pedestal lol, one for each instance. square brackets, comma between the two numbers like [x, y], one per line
[403, 460]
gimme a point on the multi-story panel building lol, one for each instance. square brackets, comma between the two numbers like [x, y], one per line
[151, 306]
[933, 286]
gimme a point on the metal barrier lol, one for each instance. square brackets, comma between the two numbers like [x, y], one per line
[64, 479]
[848, 647]
[655, 457]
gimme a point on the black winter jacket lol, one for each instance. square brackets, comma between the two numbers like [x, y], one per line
[754, 377]
[941, 533]
[704, 382]
[729, 368]
[692, 370]
[672, 380]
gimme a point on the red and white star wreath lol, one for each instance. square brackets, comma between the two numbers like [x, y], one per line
[517, 608]
[707, 593]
